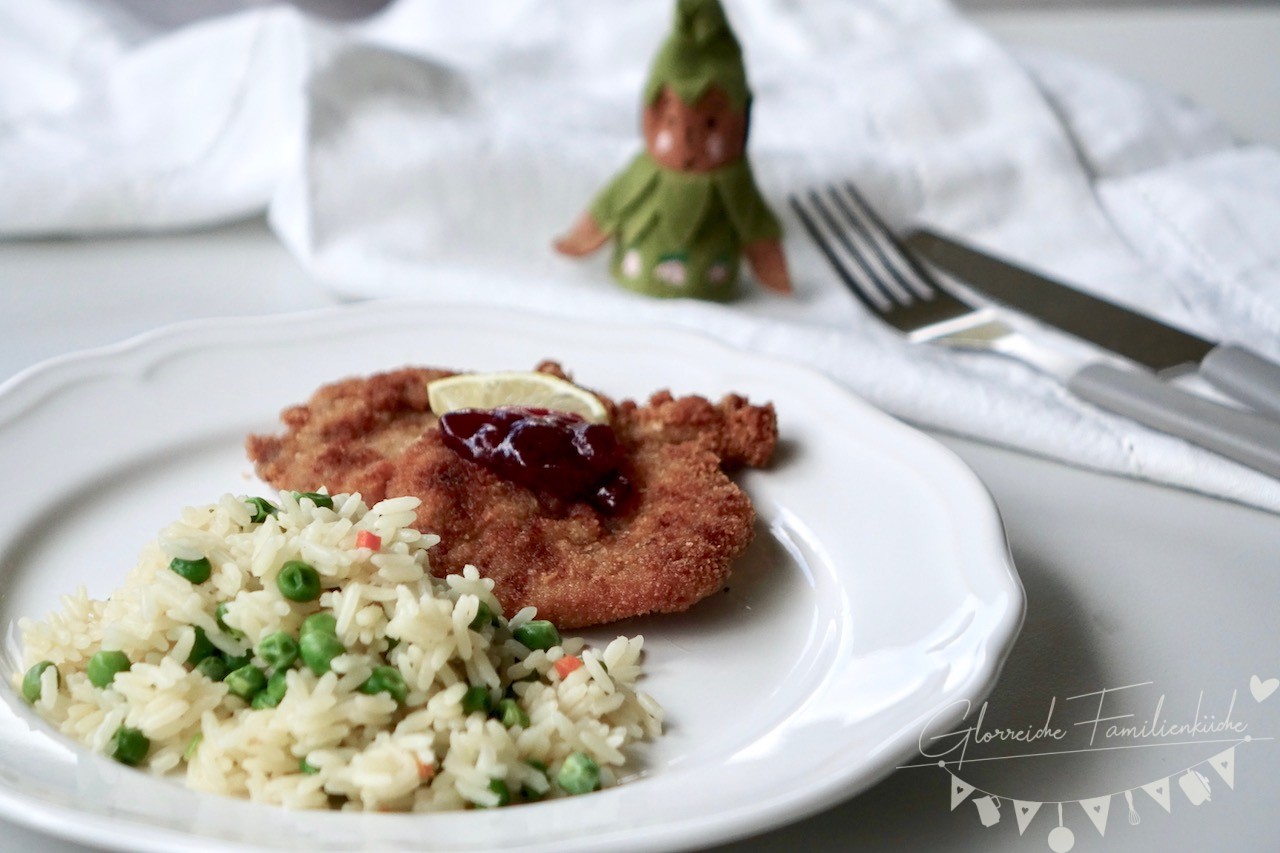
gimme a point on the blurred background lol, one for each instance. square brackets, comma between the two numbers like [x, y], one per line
[1224, 54]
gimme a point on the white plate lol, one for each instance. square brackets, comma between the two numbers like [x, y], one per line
[878, 594]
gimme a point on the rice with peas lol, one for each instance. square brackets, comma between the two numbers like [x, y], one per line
[425, 700]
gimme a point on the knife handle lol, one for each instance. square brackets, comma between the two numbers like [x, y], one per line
[1243, 374]
[1246, 437]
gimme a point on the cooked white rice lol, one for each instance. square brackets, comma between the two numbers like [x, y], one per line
[360, 751]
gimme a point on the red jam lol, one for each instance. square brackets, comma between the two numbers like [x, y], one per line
[557, 453]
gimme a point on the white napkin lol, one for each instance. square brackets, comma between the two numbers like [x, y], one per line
[434, 151]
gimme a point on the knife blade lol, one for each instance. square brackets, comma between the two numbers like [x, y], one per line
[1235, 370]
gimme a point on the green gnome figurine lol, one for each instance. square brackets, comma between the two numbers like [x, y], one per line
[687, 209]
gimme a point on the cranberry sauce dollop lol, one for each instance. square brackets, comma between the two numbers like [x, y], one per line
[557, 453]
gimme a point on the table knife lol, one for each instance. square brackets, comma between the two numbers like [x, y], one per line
[1234, 370]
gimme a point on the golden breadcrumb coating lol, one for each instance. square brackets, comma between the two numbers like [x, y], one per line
[673, 547]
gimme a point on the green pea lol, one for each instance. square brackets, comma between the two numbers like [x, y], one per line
[192, 746]
[538, 634]
[579, 774]
[324, 623]
[318, 649]
[499, 787]
[511, 714]
[32, 682]
[103, 667]
[386, 679]
[195, 571]
[129, 746]
[213, 668]
[220, 612]
[234, 663]
[476, 699]
[202, 648]
[262, 509]
[246, 682]
[484, 616]
[274, 692]
[278, 650]
[316, 498]
[304, 767]
[298, 582]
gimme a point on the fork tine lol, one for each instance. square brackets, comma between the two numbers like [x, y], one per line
[862, 282]
[820, 240]
[897, 261]
[860, 244]
[868, 258]
[873, 265]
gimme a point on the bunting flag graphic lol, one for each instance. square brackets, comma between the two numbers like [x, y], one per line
[1097, 808]
[1194, 784]
[1024, 811]
[1225, 763]
[960, 791]
[1159, 792]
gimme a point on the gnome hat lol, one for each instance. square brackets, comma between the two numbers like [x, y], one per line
[700, 53]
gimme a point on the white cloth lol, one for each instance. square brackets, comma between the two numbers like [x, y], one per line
[435, 150]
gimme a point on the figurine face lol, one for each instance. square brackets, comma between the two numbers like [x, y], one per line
[694, 138]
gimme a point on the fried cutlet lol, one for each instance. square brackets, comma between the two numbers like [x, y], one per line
[578, 567]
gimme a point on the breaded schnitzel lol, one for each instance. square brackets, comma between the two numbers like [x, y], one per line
[671, 548]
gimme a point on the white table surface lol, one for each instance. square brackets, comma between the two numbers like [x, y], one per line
[1126, 582]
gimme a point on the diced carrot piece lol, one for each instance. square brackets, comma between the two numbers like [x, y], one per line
[568, 664]
[426, 772]
[368, 539]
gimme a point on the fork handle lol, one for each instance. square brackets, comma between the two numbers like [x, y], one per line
[1246, 437]
[1245, 375]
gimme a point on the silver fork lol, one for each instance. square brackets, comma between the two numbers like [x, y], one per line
[894, 286]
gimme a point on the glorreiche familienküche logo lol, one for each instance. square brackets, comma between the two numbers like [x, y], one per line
[1213, 729]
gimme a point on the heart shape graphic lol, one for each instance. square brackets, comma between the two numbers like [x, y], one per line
[1262, 689]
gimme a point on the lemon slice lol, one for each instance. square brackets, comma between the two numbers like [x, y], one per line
[514, 388]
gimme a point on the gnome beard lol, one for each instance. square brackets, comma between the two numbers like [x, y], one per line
[687, 209]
